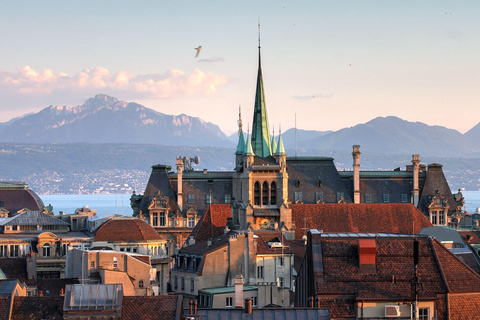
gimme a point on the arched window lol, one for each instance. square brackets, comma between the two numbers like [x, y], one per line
[265, 194]
[273, 193]
[46, 250]
[256, 193]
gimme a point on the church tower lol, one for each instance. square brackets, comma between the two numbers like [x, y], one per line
[260, 187]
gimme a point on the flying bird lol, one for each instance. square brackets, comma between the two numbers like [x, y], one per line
[198, 50]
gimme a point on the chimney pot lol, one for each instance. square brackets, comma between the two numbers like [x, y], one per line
[248, 305]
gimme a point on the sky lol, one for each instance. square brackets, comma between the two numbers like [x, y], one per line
[333, 64]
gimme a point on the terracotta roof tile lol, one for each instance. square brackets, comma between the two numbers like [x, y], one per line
[14, 268]
[126, 230]
[342, 306]
[4, 306]
[151, 308]
[459, 277]
[364, 217]
[37, 308]
[465, 307]
[212, 223]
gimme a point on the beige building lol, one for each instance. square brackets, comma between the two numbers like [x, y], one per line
[132, 270]
[136, 236]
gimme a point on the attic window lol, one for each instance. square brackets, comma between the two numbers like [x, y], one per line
[210, 181]
[2, 203]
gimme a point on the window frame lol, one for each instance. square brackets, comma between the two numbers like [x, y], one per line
[386, 198]
[228, 302]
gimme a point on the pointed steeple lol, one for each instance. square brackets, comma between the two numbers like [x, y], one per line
[241, 144]
[274, 143]
[249, 149]
[280, 147]
[241, 139]
[260, 135]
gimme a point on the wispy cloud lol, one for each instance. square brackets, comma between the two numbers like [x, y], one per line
[171, 84]
[212, 60]
[313, 96]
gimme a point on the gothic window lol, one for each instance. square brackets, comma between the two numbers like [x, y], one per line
[265, 193]
[162, 219]
[273, 193]
[256, 193]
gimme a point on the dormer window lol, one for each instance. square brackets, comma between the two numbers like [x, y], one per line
[46, 250]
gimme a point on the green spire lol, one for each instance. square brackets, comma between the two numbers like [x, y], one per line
[280, 147]
[241, 144]
[260, 135]
[248, 149]
[274, 143]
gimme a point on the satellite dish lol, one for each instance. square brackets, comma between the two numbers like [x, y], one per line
[196, 159]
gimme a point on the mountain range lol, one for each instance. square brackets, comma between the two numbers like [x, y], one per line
[104, 119]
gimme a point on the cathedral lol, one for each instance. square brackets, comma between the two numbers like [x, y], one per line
[265, 184]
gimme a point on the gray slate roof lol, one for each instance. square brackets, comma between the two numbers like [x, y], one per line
[32, 218]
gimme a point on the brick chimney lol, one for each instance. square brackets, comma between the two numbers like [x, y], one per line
[416, 169]
[356, 173]
[179, 182]
[366, 255]
[238, 291]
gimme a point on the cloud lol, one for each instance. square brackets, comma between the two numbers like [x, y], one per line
[172, 84]
[212, 60]
[313, 96]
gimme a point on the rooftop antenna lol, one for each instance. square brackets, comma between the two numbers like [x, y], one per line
[239, 120]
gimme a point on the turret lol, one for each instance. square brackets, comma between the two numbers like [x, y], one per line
[280, 154]
[274, 143]
[416, 169]
[249, 154]
[356, 173]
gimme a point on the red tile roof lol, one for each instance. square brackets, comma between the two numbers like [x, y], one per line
[212, 223]
[4, 306]
[440, 272]
[365, 217]
[126, 230]
[464, 307]
[152, 308]
[37, 308]
[14, 268]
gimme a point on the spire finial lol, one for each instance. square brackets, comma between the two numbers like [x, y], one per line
[259, 32]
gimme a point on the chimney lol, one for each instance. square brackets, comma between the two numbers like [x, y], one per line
[311, 302]
[248, 306]
[416, 169]
[179, 182]
[238, 291]
[366, 255]
[356, 173]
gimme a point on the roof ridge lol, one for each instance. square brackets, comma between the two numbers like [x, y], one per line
[437, 261]
[457, 259]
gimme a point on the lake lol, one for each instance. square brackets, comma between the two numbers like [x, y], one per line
[120, 203]
[105, 204]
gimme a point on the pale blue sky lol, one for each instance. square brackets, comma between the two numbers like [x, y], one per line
[334, 63]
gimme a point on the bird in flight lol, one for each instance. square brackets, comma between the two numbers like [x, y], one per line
[198, 50]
